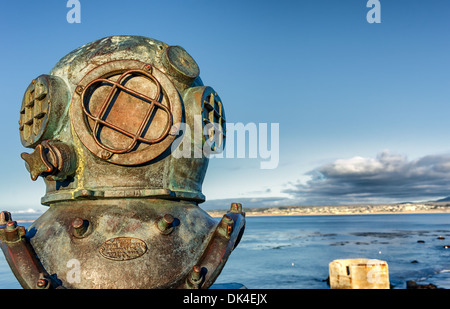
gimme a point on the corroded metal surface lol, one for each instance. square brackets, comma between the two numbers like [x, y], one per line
[103, 125]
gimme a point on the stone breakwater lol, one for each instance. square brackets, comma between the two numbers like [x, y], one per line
[343, 209]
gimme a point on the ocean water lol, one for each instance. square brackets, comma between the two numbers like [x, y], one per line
[293, 252]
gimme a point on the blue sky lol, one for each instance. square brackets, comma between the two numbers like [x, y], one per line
[362, 108]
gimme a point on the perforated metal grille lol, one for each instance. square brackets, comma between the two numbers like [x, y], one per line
[34, 110]
[214, 121]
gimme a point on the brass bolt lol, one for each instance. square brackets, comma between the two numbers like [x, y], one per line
[226, 226]
[226, 220]
[195, 279]
[11, 225]
[5, 217]
[165, 224]
[13, 232]
[42, 283]
[196, 273]
[236, 207]
[80, 227]
[105, 154]
[79, 89]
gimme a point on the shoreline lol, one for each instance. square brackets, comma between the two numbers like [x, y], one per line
[217, 214]
[259, 214]
[345, 214]
[367, 209]
[381, 209]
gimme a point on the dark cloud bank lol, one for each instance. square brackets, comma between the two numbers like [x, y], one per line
[388, 178]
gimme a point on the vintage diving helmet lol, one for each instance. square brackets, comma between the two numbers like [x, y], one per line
[123, 209]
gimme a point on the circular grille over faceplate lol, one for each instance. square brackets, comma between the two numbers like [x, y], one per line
[123, 112]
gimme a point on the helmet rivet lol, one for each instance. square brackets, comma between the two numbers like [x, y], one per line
[165, 224]
[80, 227]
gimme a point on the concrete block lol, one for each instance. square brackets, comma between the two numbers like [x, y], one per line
[359, 274]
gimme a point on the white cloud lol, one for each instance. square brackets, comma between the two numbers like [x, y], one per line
[27, 211]
[385, 178]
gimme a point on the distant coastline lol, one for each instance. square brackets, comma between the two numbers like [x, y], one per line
[362, 209]
[365, 209]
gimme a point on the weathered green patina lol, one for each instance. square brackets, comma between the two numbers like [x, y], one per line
[103, 125]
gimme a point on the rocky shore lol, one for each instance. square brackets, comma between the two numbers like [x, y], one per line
[431, 207]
